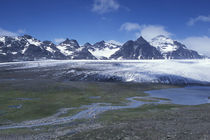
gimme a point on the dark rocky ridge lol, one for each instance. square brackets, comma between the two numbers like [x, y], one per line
[139, 49]
[183, 52]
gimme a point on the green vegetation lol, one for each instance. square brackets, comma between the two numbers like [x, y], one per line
[136, 113]
[18, 131]
[47, 96]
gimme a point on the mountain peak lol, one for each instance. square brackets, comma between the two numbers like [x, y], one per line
[70, 41]
[141, 40]
[101, 42]
[114, 42]
[47, 42]
[27, 36]
[67, 41]
[161, 36]
[87, 44]
[164, 44]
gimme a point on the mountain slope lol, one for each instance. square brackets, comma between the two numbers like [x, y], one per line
[72, 50]
[139, 49]
[171, 49]
[22, 48]
[27, 48]
[102, 50]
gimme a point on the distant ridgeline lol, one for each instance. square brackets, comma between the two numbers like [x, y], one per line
[27, 48]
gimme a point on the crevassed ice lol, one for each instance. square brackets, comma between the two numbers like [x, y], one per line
[138, 70]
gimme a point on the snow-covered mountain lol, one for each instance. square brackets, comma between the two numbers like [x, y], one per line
[23, 48]
[102, 49]
[68, 47]
[72, 50]
[139, 49]
[164, 44]
[27, 48]
[171, 49]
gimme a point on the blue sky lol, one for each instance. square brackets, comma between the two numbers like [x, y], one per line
[120, 20]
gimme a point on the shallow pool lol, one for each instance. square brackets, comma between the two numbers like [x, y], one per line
[191, 95]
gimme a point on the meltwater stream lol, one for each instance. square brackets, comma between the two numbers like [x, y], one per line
[183, 96]
[90, 111]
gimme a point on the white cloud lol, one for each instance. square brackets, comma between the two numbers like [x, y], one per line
[105, 6]
[147, 31]
[150, 31]
[200, 44]
[7, 33]
[192, 21]
[4, 32]
[21, 31]
[129, 26]
[59, 40]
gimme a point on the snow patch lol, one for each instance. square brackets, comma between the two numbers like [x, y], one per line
[64, 49]
[50, 49]
[106, 52]
[23, 51]
[2, 39]
[3, 53]
[34, 42]
[13, 53]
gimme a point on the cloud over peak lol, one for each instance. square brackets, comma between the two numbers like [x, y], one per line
[105, 6]
[198, 43]
[4, 32]
[151, 31]
[59, 40]
[146, 31]
[192, 21]
[129, 26]
[115, 42]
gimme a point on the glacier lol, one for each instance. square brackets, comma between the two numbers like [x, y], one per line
[141, 71]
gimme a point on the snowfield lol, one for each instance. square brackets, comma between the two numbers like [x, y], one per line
[143, 71]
